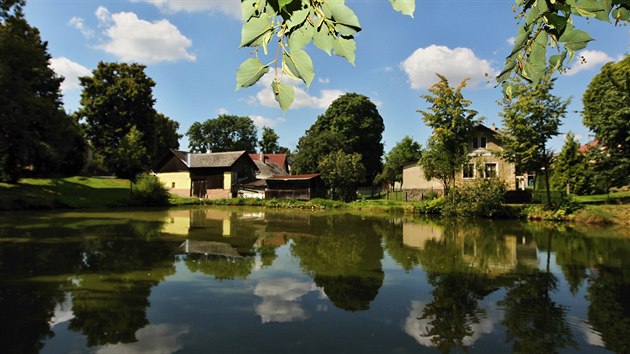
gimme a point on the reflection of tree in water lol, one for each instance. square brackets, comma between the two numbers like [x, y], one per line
[111, 293]
[27, 304]
[534, 322]
[609, 312]
[458, 287]
[345, 260]
[392, 234]
[220, 267]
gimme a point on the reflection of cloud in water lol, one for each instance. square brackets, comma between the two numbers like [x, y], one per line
[281, 299]
[418, 327]
[63, 312]
[153, 339]
[591, 336]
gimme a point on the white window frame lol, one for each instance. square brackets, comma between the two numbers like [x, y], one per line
[496, 169]
[474, 171]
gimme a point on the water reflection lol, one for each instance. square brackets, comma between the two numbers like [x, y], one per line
[156, 281]
[281, 299]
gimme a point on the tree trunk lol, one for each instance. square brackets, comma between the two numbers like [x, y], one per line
[547, 187]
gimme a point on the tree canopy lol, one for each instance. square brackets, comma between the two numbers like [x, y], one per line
[356, 122]
[313, 147]
[332, 26]
[607, 114]
[530, 120]
[452, 124]
[223, 133]
[35, 131]
[571, 168]
[342, 173]
[116, 99]
[405, 151]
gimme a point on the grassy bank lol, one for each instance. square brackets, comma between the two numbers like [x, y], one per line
[90, 193]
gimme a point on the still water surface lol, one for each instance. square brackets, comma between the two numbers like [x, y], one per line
[258, 281]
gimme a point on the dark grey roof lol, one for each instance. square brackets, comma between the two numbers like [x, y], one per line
[214, 159]
[268, 170]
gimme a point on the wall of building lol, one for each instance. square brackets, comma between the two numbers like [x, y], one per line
[413, 178]
[180, 180]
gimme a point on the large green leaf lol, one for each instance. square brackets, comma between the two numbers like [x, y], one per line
[249, 72]
[297, 18]
[536, 64]
[283, 93]
[254, 30]
[343, 15]
[299, 37]
[574, 39]
[406, 7]
[250, 8]
[345, 48]
[283, 3]
[323, 39]
[300, 65]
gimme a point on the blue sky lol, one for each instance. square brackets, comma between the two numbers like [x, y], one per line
[191, 51]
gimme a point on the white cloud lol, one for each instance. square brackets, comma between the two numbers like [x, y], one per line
[77, 22]
[134, 39]
[456, 64]
[587, 60]
[281, 299]
[260, 121]
[223, 110]
[71, 72]
[266, 97]
[388, 69]
[231, 8]
[323, 80]
[103, 16]
[154, 338]
[511, 40]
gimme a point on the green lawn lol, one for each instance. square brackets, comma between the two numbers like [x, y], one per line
[612, 198]
[71, 192]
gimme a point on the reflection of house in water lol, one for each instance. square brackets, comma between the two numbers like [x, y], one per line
[417, 235]
[210, 248]
[488, 253]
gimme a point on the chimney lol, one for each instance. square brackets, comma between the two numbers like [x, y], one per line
[494, 127]
[188, 159]
[262, 156]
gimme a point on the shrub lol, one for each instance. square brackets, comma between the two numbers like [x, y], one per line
[149, 191]
[483, 197]
[432, 206]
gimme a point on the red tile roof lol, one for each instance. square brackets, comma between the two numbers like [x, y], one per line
[279, 160]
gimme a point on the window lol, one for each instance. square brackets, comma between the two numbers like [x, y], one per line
[475, 143]
[469, 170]
[483, 142]
[490, 170]
[173, 185]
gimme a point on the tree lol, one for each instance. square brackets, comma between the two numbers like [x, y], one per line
[607, 113]
[224, 133]
[115, 99]
[405, 151]
[166, 136]
[530, 120]
[452, 123]
[313, 147]
[35, 131]
[269, 142]
[342, 173]
[359, 126]
[570, 169]
[332, 25]
[130, 156]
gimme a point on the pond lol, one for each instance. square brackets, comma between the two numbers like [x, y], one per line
[238, 280]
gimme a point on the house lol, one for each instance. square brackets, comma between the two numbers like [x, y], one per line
[210, 175]
[279, 160]
[483, 163]
[301, 187]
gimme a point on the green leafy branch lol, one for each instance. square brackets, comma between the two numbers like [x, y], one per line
[332, 26]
